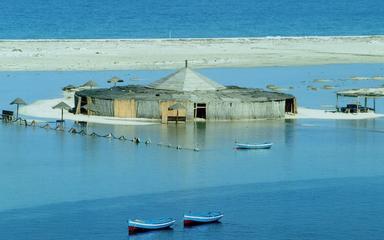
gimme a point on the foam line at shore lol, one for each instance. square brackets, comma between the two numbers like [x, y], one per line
[186, 39]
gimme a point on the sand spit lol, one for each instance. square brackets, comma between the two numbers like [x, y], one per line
[43, 109]
[307, 113]
[124, 54]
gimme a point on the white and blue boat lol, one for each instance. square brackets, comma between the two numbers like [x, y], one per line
[266, 145]
[138, 225]
[202, 218]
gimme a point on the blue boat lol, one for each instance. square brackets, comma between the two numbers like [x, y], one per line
[197, 219]
[138, 225]
[266, 145]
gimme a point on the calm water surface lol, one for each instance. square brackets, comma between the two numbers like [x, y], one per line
[21, 19]
[323, 179]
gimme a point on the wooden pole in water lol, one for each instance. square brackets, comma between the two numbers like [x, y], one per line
[62, 114]
[17, 111]
[337, 102]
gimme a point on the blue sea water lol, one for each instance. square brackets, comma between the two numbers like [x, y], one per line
[323, 179]
[21, 19]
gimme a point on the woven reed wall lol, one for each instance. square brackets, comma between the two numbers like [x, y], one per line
[148, 109]
[219, 110]
[100, 107]
[244, 110]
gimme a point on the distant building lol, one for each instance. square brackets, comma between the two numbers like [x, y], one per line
[184, 95]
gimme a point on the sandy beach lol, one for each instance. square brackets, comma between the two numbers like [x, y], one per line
[308, 113]
[124, 54]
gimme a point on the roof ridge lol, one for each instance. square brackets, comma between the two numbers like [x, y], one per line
[186, 79]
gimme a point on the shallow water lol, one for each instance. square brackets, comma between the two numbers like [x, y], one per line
[43, 166]
[322, 178]
[49, 84]
[348, 208]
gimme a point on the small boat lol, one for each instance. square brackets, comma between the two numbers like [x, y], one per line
[197, 219]
[137, 225]
[266, 145]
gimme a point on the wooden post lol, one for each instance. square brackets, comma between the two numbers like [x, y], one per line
[374, 104]
[88, 103]
[78, 105]
[17, 111]
[357, 105]
[365, 102]
[337, 102]
[62, 114]
[164, 112]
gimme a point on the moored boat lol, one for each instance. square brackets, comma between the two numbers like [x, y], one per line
[196, 219]
[138, 225]
[266, 145]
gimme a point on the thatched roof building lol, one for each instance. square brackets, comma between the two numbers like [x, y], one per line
[201, 98]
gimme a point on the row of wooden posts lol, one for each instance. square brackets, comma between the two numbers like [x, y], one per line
[60, 127]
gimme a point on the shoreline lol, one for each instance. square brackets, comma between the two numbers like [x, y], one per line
[165, 53]
[43, 109]
[190, 38]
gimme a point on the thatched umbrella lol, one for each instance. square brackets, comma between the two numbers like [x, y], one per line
[177, 107]
[90, 84]
[115, 80]
[62, 106]
[68, 87]
[18, 102]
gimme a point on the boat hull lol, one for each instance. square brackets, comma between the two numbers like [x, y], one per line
[190, 220]
[254, 146]
[142, 226]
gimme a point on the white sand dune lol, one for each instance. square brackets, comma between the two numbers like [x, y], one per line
[65, 55]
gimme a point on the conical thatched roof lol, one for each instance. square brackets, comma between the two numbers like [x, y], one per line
[18, 101]
[62, 105]
[90, 83]
[186, 80]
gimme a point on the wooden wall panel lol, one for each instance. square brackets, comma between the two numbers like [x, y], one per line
[125, 108]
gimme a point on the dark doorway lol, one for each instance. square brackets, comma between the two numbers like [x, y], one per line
[83, 105]
[200, 110]
[290, 105]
